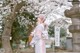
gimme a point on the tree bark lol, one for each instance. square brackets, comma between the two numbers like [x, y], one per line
[7, 28]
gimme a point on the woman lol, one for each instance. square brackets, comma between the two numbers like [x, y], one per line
[38, 38]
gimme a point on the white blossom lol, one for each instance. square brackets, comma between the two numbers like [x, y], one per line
[53, 9]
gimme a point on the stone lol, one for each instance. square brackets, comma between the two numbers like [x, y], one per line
[69, 43]
[74, 14]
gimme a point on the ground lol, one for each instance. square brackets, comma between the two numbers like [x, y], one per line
[50, 50]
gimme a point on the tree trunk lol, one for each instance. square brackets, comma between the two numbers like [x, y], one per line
[7, 28]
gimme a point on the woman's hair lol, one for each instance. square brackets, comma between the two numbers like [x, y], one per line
[42, 17]
[46, 26]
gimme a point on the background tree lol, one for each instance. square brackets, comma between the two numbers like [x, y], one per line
[24, 11]
[7, 27]
[21, 29]
[51, 31]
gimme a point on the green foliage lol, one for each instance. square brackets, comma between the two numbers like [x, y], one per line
[29, 15]
[51, 31]
[6, 2]
[21, 32]
[18, 32]
[62, 32]
[31, 20]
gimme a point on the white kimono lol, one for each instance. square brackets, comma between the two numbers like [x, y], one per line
[38, 40]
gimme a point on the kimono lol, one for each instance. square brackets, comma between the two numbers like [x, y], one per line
[38, 39]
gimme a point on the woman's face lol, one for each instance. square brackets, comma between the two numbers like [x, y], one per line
[38, 19]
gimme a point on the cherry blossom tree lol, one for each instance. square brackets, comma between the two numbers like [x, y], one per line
[26, 11]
